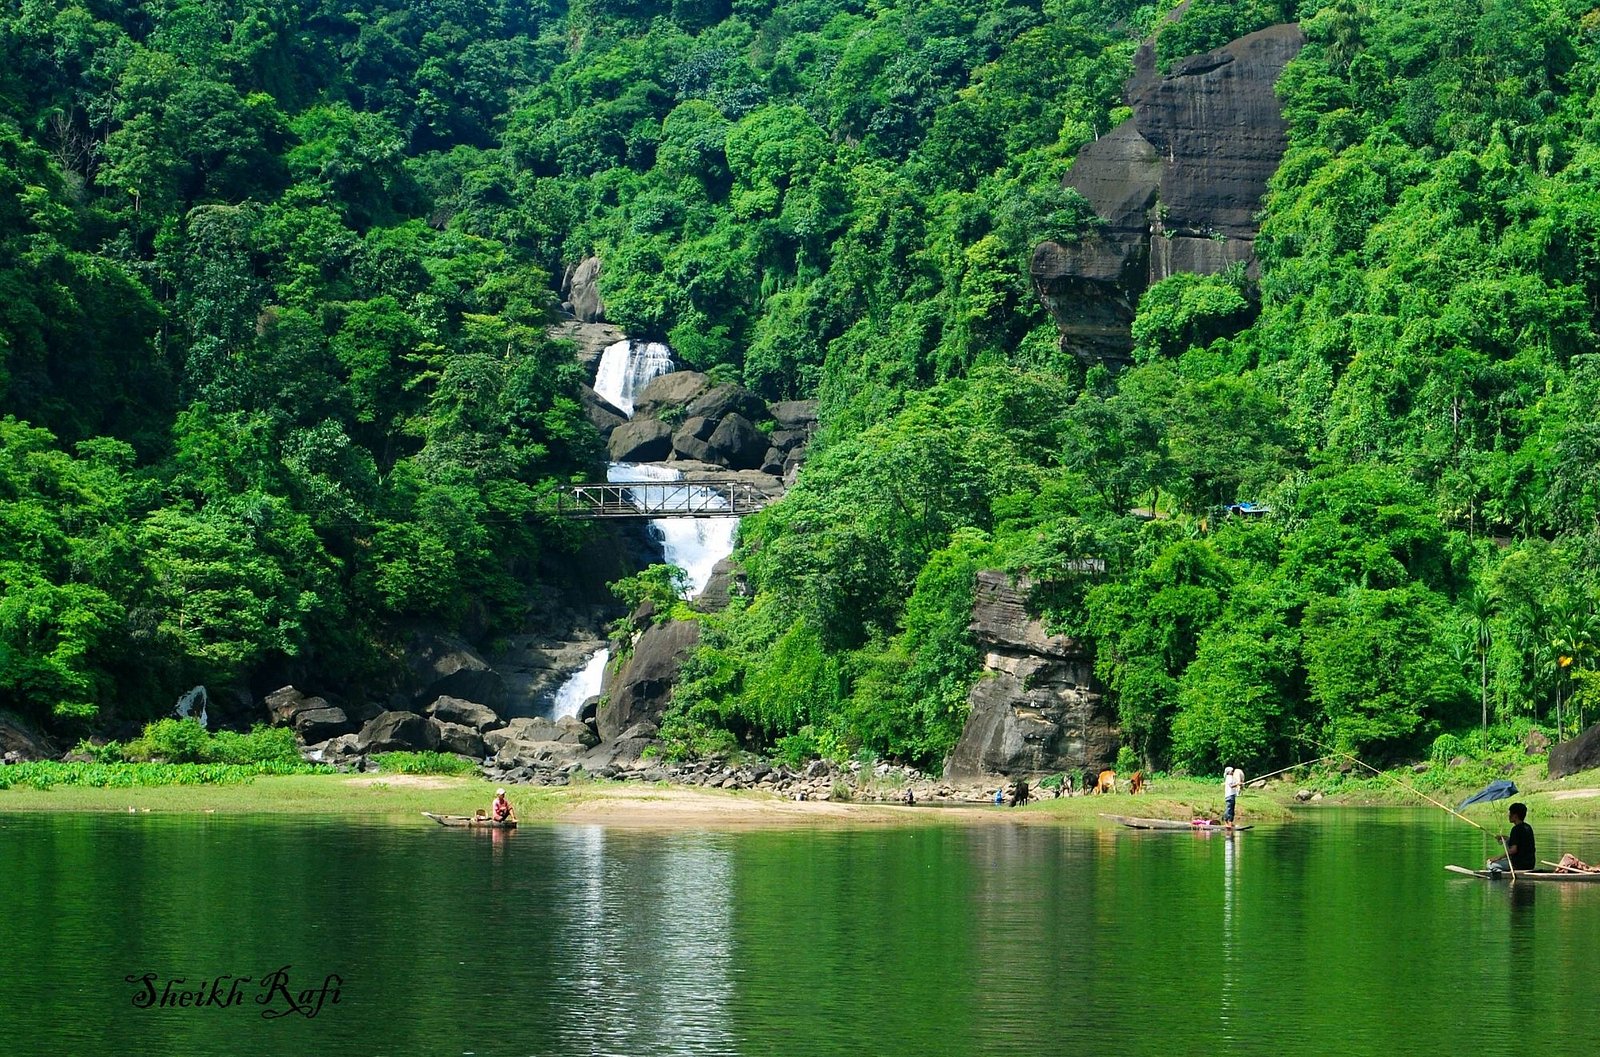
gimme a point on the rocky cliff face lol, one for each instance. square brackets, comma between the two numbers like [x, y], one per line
[1177, 187]
[1036, 709]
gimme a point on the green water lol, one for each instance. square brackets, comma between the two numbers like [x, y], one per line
[1339, 934]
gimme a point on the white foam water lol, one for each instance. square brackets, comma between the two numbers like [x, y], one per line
[583, 684]
[626, 367]
[694, 544]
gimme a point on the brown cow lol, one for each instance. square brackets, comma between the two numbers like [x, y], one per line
[1107, 782]
[1136, 783]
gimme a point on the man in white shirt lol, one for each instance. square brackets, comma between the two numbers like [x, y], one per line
[1232, 782]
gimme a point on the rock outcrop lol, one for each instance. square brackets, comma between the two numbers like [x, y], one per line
[1579, 754]
[581, 291]
[1176, 187]
[1036, 709]
[448, 667]
[641, 690]
[398, 732]
[20, 743]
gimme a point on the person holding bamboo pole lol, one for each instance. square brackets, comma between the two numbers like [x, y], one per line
[1232, 783]
[1519, 844]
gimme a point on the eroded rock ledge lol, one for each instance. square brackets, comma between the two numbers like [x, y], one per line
[1037, 708]
[1177, 187]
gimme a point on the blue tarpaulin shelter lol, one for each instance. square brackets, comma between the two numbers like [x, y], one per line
[1500, 790]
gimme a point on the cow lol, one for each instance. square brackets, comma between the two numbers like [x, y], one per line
[1106, 783]
[1136, 783]
[1019, 794]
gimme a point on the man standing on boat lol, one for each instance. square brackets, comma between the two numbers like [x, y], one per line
[1518, 843]
[1232, 782]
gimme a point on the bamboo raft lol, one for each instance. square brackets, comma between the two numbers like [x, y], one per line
[482, 821]
[1561, 876]
[1199, 826]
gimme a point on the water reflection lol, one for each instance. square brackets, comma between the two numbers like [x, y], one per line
[1230, 952]
[645, 962]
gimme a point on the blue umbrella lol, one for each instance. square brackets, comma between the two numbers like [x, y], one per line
[1500, 790]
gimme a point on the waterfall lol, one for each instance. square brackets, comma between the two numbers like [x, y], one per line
[694, 544]
[584, 684]
[626, 367]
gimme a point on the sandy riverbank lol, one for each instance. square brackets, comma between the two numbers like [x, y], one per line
[631, 804]
[402, 798]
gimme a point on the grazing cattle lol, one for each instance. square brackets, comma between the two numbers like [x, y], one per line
[1066, 785]
[1086, 786]
[1136, 783]
[1019, 794]
[1107, 782]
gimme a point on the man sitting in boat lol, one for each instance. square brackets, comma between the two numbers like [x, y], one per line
[501, 811]
[1518, 843]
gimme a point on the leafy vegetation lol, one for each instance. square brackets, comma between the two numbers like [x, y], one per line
[424, 763]
[275, 388]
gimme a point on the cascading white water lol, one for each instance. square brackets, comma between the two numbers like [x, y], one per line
[625, 367]
[694, 544]
[584, 684]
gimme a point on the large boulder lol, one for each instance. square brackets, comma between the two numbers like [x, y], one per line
[286, 702]
[641, 440]
[19, 742]
[1580, 754]
[692, 440]
[726, 581]
[566, 731]
[1037, 708]
[466, 713]
[320, 724]
[641, 690]
[462, 740]
[737, 444]
[722, 400]
[601, 413]
[398, 732]
[674, 389]
[583, 291]
[448, 667]
[794, 414]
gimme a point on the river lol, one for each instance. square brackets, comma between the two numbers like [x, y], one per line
[1337, 934]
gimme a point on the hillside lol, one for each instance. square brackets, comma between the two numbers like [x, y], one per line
[276, 389]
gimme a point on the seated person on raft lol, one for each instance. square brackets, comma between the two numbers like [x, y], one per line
[1518, 843]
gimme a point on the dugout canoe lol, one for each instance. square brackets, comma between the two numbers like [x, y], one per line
[469, 820]
[1528, 875]
[1202, 826]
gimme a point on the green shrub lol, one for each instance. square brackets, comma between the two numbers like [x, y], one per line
[1445, 748]
[172, 740]
[424, 763]
[1127, 760]
[263, 744]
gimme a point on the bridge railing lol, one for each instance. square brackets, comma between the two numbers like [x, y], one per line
[661, 499]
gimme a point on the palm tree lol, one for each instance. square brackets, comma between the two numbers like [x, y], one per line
[1573, 641]
[1481, 609]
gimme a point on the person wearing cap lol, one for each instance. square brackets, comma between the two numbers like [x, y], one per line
[502, 810]
[1232, 783]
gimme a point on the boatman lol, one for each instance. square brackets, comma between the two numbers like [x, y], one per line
[1232, 782]
[501, 811]
[1518, 843]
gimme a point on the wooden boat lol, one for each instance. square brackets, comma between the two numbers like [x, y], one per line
[482, 821]
[1529, 875]
[1202, 826]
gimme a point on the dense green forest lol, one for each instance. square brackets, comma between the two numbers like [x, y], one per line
[274, 385]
